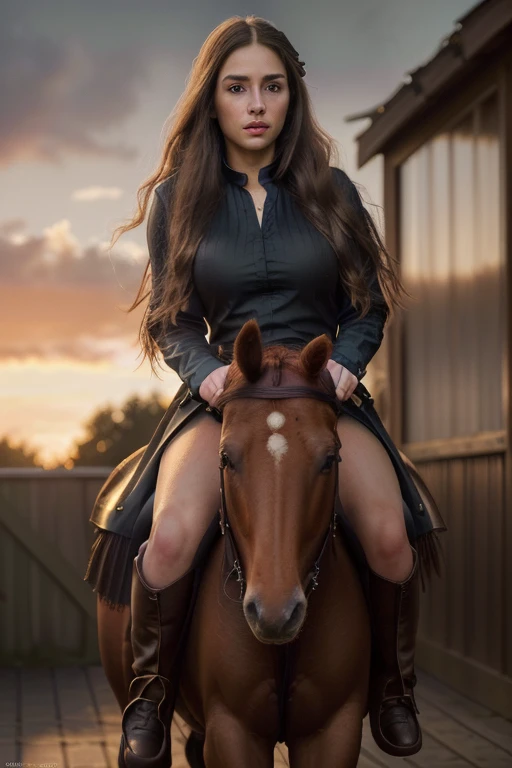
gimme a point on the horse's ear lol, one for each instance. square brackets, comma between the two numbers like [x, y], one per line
[248, 350]
[314, 356]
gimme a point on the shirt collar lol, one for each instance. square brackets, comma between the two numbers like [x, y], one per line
[265, 174]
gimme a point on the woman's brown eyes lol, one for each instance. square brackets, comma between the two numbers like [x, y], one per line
[269, 86]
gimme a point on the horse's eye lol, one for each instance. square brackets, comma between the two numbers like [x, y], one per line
[225, 461]
[329, 461]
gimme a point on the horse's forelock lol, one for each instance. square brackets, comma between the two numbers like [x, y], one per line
[276, 357]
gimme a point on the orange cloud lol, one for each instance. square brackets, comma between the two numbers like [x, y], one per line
[62, 302]
[58, 322]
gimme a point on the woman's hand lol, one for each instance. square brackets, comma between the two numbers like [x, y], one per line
[212, 386]
[344, 381]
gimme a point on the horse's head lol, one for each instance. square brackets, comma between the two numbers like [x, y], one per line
[280, 468]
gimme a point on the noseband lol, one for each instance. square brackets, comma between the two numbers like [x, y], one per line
[277, 384]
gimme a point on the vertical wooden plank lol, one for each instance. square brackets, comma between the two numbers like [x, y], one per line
[414, 238]
[472, 287]
[68, 510]
[435, 474]
[441, 363]
[497, 559]
[394, 329]
[480, 621]
[490, 296]
[48, 589]
[34, 569]
[7, 595]
[468, 522]
[46, 631]
[445, 543]
[22, 598]
[56, 596]
[429, 605]
[60, 602]
[462, 265]
[427, 618]
[90, 491]
[456, 556]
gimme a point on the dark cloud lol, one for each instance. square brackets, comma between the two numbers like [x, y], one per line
[57, 96]
[56, 258]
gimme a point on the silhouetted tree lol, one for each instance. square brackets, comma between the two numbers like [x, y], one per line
[113, 433]
[20, 455]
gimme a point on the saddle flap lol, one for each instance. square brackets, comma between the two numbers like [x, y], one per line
[114, 487]
[141, 464]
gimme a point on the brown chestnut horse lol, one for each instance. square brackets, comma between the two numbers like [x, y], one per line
[279, 642]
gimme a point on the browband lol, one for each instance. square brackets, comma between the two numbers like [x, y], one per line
[278, 393]
[283, 382]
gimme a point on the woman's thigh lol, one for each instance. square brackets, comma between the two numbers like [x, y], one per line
[187, 493]
[370, 492]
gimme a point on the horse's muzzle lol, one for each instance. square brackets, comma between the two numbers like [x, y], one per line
[277, 623]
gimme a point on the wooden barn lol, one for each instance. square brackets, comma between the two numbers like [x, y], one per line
[446, 140]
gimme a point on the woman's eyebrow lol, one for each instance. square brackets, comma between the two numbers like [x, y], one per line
[246, 77]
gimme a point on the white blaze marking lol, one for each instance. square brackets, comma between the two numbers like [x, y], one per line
[275, 420]
[277, 444]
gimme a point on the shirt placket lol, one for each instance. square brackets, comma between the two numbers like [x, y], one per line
[263, 242]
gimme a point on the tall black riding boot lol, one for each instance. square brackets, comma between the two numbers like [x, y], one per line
[394, 608]
[159, 626]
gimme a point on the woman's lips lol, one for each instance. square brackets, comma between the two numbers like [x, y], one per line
[256, 131]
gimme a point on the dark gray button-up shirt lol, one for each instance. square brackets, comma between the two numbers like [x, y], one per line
[284, 274]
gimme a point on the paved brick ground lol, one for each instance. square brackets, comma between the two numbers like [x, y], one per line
[68, 717]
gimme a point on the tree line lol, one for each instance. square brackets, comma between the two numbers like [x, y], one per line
[111, 434]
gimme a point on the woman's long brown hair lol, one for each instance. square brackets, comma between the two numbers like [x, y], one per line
[192, 156]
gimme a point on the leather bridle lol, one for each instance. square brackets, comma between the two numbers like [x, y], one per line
[285, 383]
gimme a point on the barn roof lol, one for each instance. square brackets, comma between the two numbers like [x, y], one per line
[476, 34]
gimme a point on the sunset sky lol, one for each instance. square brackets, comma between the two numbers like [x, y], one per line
[85, 90]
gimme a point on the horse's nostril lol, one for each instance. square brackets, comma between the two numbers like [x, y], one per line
[297, 613]
[251, 609]
[275, 623]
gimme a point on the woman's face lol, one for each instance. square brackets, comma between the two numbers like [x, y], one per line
[245, 92]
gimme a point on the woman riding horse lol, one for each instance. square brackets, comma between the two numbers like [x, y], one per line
[249, 220]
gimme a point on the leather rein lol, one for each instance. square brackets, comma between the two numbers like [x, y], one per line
[325, 391]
